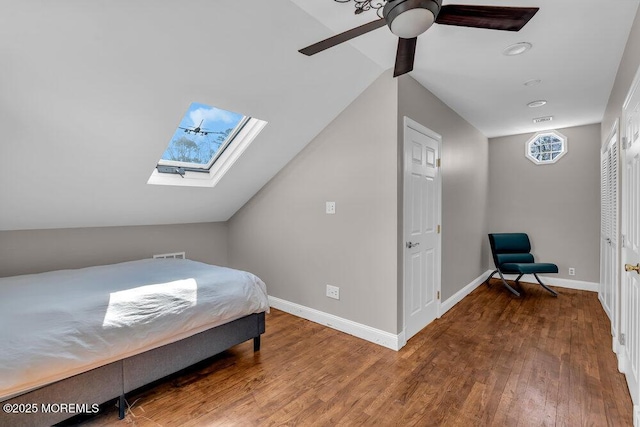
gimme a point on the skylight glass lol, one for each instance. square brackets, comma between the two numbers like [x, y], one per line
[206, 144]
[202, 135]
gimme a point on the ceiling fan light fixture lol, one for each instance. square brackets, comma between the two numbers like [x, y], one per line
[412, 23]
[517, 49]
[410, 18]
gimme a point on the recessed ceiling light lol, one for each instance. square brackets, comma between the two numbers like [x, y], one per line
[517, 49]
[532, 82]
[534, 104]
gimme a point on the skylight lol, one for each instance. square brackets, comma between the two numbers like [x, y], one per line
[202, 135]
[206, 143]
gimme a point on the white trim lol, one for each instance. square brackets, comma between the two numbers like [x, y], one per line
[622, 360]
[409, 122]
[396, 342]
[459, 296]
[376, 336]
[557, 281]
[548, 280]
[416, 126]
[635, 84]
[615, 131]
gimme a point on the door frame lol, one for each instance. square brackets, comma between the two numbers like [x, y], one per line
[410, 123]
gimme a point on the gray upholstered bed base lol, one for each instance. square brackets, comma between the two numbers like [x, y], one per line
[118, 378]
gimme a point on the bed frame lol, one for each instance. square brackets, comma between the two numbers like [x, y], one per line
[116, 379]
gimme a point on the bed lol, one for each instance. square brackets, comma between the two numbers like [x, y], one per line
[73, 339]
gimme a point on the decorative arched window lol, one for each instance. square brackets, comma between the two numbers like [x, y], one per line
[546, 147]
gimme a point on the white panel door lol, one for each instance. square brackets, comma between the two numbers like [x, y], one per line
[421, 227]
[630, 325]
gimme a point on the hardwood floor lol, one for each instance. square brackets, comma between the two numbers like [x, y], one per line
[492, 360]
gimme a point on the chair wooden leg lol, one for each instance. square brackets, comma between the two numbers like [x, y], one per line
[555, 294]
[504, 282]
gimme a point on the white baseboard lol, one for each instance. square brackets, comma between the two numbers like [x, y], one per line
[458, 296]
[396, 342]
[376, 336]
[554, 281]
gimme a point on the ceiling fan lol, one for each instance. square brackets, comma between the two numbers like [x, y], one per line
[407, 19]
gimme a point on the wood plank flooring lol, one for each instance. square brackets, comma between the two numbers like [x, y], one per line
[492, 360]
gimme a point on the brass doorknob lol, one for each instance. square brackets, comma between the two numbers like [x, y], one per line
[629, 267]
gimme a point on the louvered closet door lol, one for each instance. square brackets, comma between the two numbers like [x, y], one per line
[608, 292]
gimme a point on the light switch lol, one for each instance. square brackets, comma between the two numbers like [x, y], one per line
[331, 208]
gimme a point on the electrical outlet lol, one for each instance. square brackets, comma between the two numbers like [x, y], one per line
[333, 292]
[572, 271]
[331, 208]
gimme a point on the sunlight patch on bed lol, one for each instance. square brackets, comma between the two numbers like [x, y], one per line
[147, 303]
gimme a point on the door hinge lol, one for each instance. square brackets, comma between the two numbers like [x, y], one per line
[438, 163]
[622, 339]
[438, 295]
[624, 143]
[438, 229]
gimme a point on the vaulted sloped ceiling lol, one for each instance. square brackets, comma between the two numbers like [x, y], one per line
[91, 92]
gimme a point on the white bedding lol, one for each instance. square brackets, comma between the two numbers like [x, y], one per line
[61, 323]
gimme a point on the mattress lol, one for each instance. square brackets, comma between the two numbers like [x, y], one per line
[57, 324]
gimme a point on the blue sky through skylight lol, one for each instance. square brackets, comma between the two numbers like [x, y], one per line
[201, 133]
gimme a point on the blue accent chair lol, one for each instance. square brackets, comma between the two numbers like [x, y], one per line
[512, 255]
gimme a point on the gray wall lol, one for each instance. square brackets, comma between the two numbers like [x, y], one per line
[464, 184]
[626, 72]
[284, 236]
[35, 251]
[557, 204]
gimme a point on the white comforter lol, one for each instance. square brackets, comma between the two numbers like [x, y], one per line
[57, 324]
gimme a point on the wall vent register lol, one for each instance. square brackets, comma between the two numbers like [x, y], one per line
[173, 255]
[206, 143]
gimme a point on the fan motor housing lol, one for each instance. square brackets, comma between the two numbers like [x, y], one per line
[394, 8]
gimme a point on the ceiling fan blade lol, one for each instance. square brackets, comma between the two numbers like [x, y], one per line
[342, 37]
[491, 17]
[405, 56]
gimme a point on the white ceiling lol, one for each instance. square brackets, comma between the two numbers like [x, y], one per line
[577, 46]
[91, 91]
